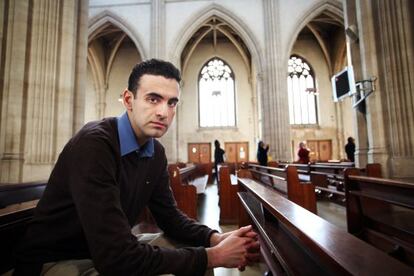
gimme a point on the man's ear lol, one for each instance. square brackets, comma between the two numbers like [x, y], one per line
[127, 98]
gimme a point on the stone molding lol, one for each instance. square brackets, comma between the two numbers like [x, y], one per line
[194, 23]
[107, 16]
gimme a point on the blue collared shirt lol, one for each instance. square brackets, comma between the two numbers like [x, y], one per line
[128, 141]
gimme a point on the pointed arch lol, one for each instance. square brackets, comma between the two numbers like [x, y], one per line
[102, 19]
[334, 10]
[196, 21]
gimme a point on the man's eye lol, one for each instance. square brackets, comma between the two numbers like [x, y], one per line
[172, 104]
[152, 100]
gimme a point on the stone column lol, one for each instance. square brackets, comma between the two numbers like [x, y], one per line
[275, 118]
[13, 87]
[354, 59]
[158, 28]
[81, 44]
[42, 87]
[170, 139]
[377, 144]
[393, 21]
[41, 80]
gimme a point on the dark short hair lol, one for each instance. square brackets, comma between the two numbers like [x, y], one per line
[155, 67]
[216, 143]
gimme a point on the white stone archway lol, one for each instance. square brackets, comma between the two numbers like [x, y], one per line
[244, 32]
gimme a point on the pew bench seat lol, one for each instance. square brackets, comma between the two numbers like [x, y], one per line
[200, 183]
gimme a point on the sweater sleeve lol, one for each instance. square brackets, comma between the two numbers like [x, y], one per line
[114, 250]
[171, 220]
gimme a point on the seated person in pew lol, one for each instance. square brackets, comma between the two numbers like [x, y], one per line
[104, 177]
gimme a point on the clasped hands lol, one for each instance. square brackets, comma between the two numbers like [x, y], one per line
[237, 248]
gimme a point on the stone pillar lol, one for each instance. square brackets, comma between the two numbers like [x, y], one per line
[41, 80]
[393, 21]
[170, 139]
[384, 50]
[14, 93]
[80, 63]
[377, 144]
[158, 28]
[275, 118]
[354, 59]
[42, 86]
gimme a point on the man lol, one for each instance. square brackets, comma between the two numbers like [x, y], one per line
[262, 150]
[218, 157]
[350, 149]
[105, 176]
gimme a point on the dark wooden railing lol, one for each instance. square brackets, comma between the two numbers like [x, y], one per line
[286, 181]
[295, 241]
[184, 194]
[17, 204]
[381, 212]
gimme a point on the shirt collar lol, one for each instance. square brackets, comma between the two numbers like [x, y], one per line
[128, 142]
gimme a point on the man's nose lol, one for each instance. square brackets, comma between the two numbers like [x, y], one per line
[162, 110]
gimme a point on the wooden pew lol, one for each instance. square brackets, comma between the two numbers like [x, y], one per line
[381, 212]
[228, 200]
[295, 241]
[206, 169]
[185, 194]
[330, 178]
[17, 203]
[286, 181]
[333, 173]
[201, 177]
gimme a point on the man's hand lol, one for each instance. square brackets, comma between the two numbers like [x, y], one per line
[216, 238]
[237, 248]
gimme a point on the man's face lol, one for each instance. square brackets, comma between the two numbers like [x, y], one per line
[152, 110]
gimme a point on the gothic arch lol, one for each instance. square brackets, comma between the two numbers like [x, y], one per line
[101, 19]
[194, 23]
[100, 69]
[334, 9]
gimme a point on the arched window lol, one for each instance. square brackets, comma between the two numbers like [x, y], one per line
[216, 95]
[302, 92]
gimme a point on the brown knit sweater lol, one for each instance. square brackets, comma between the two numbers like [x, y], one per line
[93, 198]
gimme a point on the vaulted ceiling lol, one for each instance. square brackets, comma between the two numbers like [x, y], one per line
[328, 31]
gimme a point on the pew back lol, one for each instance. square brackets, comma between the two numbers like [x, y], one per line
[228, 200]
[296, 242]
[381, 212]
[185, 195]
[286, 181]
[17, 202]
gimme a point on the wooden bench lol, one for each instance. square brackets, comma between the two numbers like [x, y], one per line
[286, 181]
[206, 169]
[381, 212]
[330, 178]
[185, 194]
[17, 204]
[228, 200]
[295, 241]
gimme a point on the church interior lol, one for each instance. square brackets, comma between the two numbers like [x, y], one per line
[283, 72]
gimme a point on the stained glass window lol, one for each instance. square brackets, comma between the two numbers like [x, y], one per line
[216, 95]
[302, 92]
